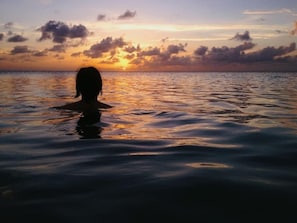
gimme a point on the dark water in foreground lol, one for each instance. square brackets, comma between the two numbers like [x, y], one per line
[176, 147]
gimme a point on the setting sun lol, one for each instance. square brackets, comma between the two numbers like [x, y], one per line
[123, 63]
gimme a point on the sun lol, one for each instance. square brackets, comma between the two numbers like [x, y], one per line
[123, 64]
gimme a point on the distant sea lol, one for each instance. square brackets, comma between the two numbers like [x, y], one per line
[175, 147]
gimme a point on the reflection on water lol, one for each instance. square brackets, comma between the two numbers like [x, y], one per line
[207, 165]
[181, 106]
[86, 125]
[175, 147]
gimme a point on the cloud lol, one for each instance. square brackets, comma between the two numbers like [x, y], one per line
[294, 31]
[130, 56]
[20, 50]
[1, 36]
[154, 57]
[110, 61]
[175, 49]
[137, 61]
[201, 51]
[127, 15]
[78, 31]
[163, 54]
[178, 61]
[269, 53]
[132, 49]
[77, 54]
[59, 31]
[223, 54]
[101, 17]
[106, 45]
[40, 53]
[8, 25]
[242, 37]
[164, 39]
[169, 58]
[229, 54]
[238, 54]
[58, 48]
[152, 51]
[16, 39]
[172, 49]
[269, 12]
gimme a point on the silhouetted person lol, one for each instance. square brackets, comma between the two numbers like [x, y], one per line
[88, 86]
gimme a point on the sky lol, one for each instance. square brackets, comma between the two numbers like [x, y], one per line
[151, 35]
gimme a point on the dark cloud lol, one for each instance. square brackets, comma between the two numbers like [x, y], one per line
[163, 54]
[242, 37]
[178, 61]
[157, 63]
[132, 49]
[294, 31]
[238, 54]
[169, 58]
[58, 48]
[201, 51]
[78, 31]
[130, 56]
[269, 53]
[175, 49]
[127, 15]
[172, 49]
[40, 53]
[101, 17]
[152, 51]
[1, 36]
[20, 50]
[8, 25]
[106, 45]
[136, 61]
[228, 54]
[17, 39]
[59, 31]
[159, 56]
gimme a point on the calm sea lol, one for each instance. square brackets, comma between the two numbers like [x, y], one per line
[175, 147]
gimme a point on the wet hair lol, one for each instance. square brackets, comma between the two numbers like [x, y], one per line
[88, 83]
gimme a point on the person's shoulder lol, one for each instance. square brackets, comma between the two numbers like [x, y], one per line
[103, 105]
[77, 106]
[81, 106]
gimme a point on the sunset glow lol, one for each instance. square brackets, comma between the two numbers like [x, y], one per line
[149, 35]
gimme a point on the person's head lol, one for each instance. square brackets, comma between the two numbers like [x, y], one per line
[88, 83]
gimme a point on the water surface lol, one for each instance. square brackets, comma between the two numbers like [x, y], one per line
[184, 147]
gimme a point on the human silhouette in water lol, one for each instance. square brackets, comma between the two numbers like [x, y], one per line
[88, 86]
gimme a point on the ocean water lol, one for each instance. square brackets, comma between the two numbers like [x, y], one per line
[175, 147]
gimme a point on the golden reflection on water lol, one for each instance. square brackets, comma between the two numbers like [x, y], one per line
[184, 108]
